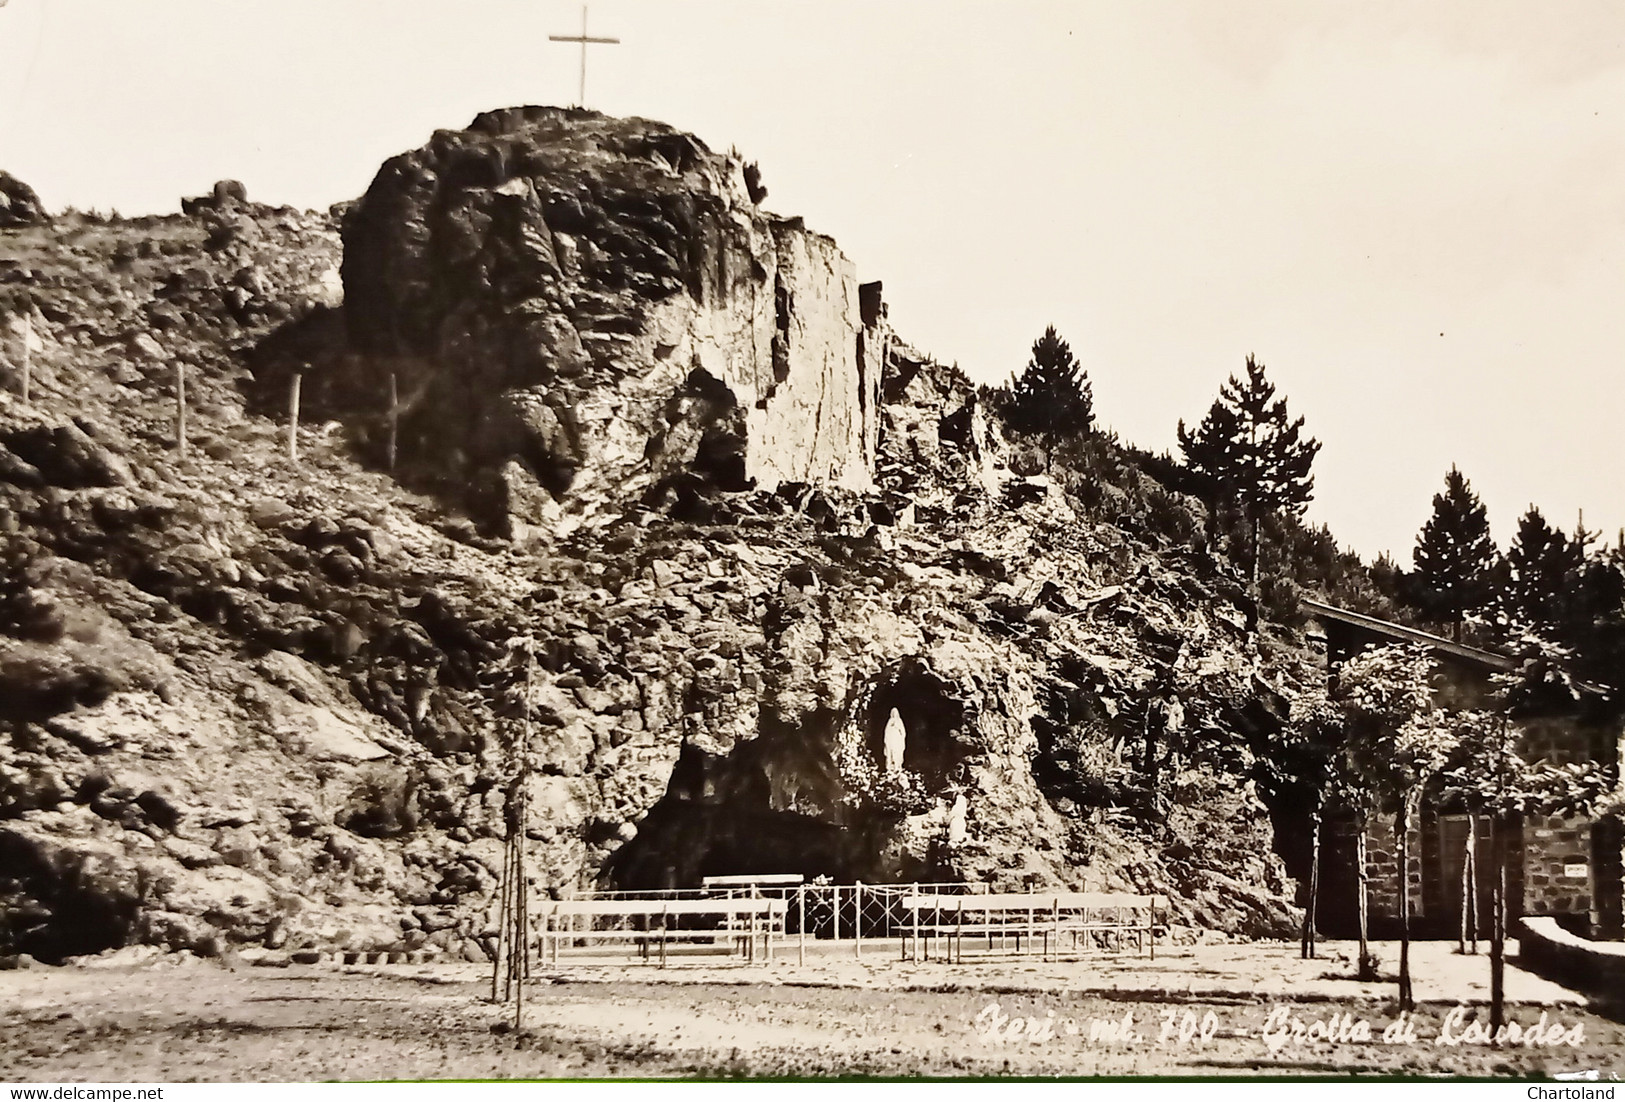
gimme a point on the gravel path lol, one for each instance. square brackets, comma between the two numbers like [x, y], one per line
[1212, 1010]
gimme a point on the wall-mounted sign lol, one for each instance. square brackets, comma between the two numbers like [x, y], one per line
[1578, 872]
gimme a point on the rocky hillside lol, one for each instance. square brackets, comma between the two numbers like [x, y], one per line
[648, 433]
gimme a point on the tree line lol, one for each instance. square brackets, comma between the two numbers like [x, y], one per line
[1378, 739]
[1252, 464]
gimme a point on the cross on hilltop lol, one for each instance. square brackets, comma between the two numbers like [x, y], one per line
[581, 100]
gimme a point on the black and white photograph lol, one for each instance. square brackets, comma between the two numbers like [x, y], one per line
[820, 540]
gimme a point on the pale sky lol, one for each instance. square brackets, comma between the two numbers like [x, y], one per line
[1413, 213]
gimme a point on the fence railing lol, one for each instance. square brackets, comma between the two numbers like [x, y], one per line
[827, 911]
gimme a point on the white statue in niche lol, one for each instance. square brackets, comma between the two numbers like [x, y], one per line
[895, 739]
[956, 820]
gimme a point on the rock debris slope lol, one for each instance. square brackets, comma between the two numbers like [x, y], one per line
[658, 433]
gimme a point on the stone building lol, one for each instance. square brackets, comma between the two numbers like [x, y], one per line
[1565, 867]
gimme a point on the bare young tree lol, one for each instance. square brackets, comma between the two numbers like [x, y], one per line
[1396, 741]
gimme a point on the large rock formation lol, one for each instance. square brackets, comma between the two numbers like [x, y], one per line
[249, 700]
[19, 205]
[584, 311]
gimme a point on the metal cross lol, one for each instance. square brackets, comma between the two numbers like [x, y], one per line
[584, 40]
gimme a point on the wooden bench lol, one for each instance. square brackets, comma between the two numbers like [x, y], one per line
[660, 922]
[752, 881]
[751, 885]
[1029, 917]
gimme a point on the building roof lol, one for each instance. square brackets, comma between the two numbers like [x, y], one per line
[1399, 633]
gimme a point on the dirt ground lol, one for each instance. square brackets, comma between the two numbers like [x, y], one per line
[1254, 1013]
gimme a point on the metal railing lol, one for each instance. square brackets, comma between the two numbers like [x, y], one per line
[836, 912]
[715, 916]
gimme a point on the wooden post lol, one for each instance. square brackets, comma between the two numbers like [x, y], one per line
[857, 920]
[958, 956]
[665, 919]
[505, 929]
[835, 911]
[502, 924]
[1309, 912]
[1365, 972]
[902, 932]
[1057, 924]
[521, 930]
[180, 408]
[514, 908]
[394, 417]
[524, 894]
[293, 417]
[1498, 919]
[1469, 886]
[918, 902]
[801, 921]
[1402, 834]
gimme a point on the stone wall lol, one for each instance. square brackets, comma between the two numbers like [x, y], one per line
[1547, 948]
[1382, 862]
[1562, 870]
[1557, 866]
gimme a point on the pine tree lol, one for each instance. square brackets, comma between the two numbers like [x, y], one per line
[1454, 555]
[1052, 397]
[1591, 617]
[1255, 458]
[1539, 565]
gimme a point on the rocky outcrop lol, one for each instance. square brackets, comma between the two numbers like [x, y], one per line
[19, 205]
[224, 195]
[790, 607]
[583, 312]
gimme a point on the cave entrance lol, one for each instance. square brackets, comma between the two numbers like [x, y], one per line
[772, 805]
[52, 913]
[776, 804]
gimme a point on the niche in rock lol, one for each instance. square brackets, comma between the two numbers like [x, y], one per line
[931, 724]
[771, 805]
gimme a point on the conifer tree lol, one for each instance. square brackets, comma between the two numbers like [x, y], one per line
[1539, 565]
[1454, 555]
[1052, 397]
[1255, 457]
[1591, 617]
